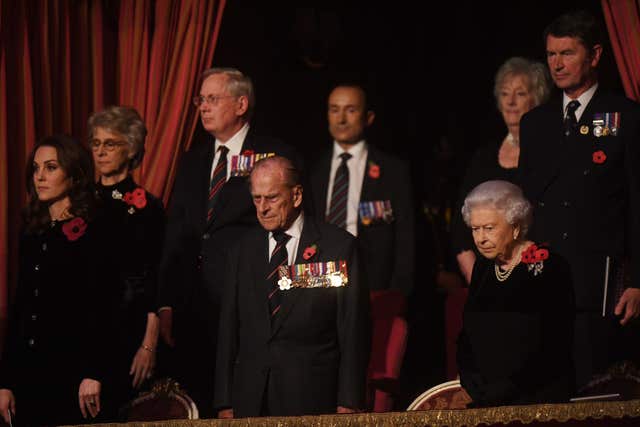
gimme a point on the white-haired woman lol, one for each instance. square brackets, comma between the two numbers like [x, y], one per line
[116, 138]
[520, 84]
[516, 340]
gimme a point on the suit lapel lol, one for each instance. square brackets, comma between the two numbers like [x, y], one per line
[261, 255]
[321, 185]
[310, 235]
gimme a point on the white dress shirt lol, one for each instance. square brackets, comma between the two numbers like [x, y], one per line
[357, 165]
[583, 99]
[295, 231]
[234, 144]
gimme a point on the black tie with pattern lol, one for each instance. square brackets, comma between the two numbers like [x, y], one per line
[279, 256]
[338, 208]
[570, 121]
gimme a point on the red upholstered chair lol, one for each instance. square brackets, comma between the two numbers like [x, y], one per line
[448, 395]
[388, 344]
[454, 307]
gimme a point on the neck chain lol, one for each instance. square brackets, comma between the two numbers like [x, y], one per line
[512, 140]
[504, 275]
[63, 215]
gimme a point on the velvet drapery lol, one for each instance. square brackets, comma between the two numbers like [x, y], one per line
[60, 60]
[623, 25]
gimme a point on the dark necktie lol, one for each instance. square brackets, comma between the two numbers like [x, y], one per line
[217, 180]
[570, 121]
[338, 208]
[279, 256]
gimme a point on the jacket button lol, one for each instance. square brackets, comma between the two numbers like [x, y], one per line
[541, 204]
[566, 204]
[206, 236]
[37, 267]
[44, 246]
[34, 317]
[31, 342]
[565, 236]
[586, 172]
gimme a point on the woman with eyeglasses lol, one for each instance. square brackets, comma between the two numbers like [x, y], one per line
[136, 217]
[54, 360]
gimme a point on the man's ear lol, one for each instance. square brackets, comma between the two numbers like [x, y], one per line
[242, 105]
[596, 53]
[297, 196]
[370, 117]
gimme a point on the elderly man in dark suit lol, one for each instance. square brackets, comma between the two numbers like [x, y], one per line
[367, 192]
[209, 209]
[579, 162]
[293, 330]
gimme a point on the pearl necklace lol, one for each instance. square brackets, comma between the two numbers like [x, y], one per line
[502, 276]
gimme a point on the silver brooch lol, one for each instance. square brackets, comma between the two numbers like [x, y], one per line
[131, 210]
[116, 195]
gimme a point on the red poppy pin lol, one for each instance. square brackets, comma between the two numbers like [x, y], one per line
[74, 229]
[534, 257]
[136, 198]
[248, 153]
[374, 171]
[309, 251]
[599, 157]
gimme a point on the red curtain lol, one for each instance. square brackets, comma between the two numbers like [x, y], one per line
[623, 24]
[60, 60]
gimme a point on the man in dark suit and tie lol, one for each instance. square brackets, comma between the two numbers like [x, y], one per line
[367, 192]
[580, 160]
[294, 340]
[209, 209]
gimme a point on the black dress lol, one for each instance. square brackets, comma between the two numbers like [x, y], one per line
[56, 332]
[484, 166]
[136, 222]
[516, 340]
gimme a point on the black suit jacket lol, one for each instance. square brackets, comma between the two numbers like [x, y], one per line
[314, 356]
[386, 250]
[586, 211]
[192, 265]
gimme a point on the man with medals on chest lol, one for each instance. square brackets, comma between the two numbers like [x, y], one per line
[293, 336]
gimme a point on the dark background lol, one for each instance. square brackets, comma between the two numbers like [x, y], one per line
[429, 70]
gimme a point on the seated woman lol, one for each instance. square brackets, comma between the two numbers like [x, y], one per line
[516, 339]
[136, 218]
[54, 362]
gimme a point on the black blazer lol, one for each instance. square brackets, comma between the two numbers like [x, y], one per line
[314, 355]
[386, 250]
[193, 258]
[586, 211]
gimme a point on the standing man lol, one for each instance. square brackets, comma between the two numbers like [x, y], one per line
[293, 340]
[580, 163]
[367, 192]
[209, 209]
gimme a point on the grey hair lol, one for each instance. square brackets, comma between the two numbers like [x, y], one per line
[504, 197]
[238, 84]
[125, 121]
[285, 166]
[537, 78]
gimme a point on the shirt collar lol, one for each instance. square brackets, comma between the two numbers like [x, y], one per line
[583, 99]
[357, 150]
[295, 230]
[234, 144]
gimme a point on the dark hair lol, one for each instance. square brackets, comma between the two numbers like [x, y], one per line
[76, 162]
[360, 88]
[576, 24]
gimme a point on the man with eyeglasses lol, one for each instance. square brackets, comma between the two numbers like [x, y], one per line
[210, 208]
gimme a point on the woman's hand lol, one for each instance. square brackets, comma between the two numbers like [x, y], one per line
[143, 364]
[629, 305]
[89, 397]
[7, 403]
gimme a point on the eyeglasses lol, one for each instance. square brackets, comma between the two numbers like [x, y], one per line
[108, 144]
[209, 99]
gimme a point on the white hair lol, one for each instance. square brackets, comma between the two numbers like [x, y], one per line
[504, 197]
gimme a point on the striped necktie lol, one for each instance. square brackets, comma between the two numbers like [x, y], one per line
[279, 257]
[338, 208]
[217, 180]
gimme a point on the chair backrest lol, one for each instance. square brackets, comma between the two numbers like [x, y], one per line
[165, 401]
[388, 345]
[448, 395]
